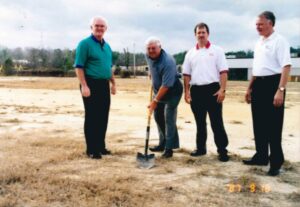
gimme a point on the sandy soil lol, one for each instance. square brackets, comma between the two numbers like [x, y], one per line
[42, 160]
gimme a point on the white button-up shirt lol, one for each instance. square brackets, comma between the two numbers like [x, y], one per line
[271, 55]
[204, 65]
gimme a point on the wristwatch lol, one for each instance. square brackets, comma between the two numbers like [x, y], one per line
[282, 89]
[155, 100]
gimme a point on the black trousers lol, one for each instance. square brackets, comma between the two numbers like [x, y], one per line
[96, 114]
[267, 120]
[204, 102]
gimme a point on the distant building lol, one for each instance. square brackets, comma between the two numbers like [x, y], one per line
[230, 56]
[22, 61]
[241, 69]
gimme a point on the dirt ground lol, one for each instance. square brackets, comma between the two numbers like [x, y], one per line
[42, 160]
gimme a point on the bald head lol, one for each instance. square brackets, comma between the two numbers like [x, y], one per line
[98, 26]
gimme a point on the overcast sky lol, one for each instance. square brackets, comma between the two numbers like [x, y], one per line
[63, 23]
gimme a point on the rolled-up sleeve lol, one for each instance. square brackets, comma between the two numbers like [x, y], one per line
[81, 55]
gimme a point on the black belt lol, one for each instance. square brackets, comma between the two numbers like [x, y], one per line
[88, 78]
[269, 77]
[207, 85]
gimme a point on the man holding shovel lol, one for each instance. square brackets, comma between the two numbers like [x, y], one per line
[167, 94]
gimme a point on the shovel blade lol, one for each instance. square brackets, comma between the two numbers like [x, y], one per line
[144, 161]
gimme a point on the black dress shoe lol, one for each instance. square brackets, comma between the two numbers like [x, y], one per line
[255, 162]
[95, 156]
[273, 172]
[167, 153]
[105, 152]
[197, 153]
[157, 148]
[223, 157]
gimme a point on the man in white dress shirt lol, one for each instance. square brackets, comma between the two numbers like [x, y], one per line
[205, 76]
[266, 93]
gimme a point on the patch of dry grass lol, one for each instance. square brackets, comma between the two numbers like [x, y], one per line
[183, 150]
[236, 157]
[295, 197]
[8, 136]
[124, 152]
[290, 178]
[14, 121]
[248, 147]
[66, 177]
[288, 166]
[257, 171]
[235, 122]
[47, 165]
[46, 189]
[67, 83]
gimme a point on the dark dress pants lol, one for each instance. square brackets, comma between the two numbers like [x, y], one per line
[267, 120]
[204, 102]
[96, 114]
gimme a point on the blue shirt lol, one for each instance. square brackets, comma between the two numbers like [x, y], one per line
[164, 73]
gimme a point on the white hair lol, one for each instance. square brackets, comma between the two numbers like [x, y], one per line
[92, 20]
[152, 39]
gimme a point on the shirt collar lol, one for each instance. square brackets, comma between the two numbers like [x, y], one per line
[206, 46]
[96, 40]
[272, 36]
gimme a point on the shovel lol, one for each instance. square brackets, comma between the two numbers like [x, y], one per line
[145, 160]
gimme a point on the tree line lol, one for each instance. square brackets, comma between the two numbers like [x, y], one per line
[63, 59]
[59, 58]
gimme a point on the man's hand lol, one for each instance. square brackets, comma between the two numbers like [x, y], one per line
[278, 98]
[113, 89]
[152, 106]
[85, 91]
[220, 95]
[187, 97]
[248, 95]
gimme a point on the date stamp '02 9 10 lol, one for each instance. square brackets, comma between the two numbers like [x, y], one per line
[251, 187]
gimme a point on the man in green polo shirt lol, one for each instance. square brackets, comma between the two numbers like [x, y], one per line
[93, 64]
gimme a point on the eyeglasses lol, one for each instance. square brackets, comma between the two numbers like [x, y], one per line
[99, 25]
[151, 48]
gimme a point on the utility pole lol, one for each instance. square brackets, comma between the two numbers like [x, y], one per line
[134, 68]
[42, 40]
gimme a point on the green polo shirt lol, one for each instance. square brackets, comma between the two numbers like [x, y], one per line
[94, 57]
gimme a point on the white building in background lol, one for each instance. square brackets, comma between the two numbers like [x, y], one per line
[245, 66]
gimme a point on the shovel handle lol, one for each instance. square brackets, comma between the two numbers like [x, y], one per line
[148, 124]
[149, 113]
